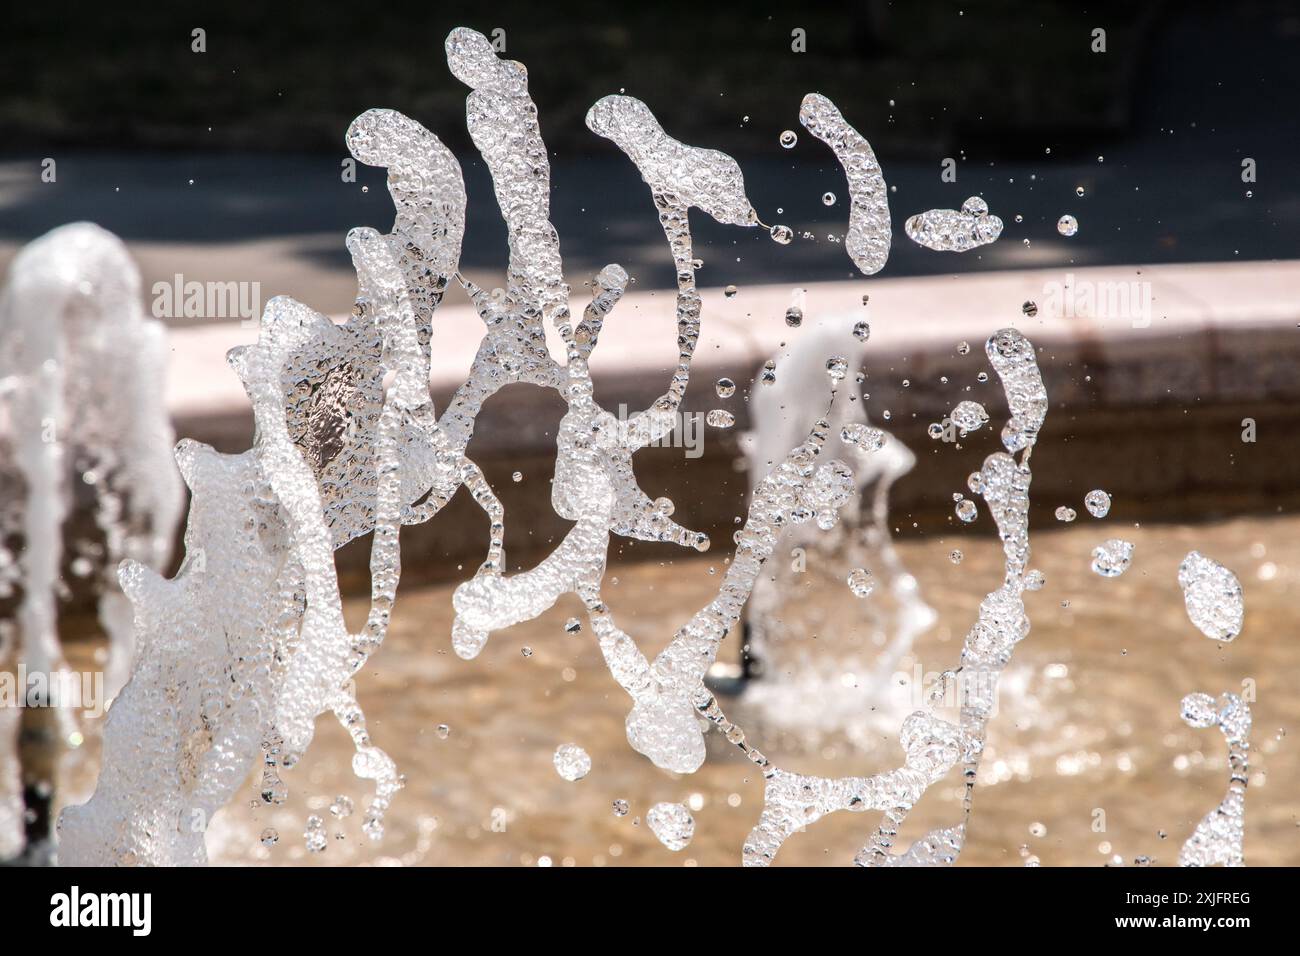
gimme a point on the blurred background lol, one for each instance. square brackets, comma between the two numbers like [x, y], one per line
[1182, 93]
[225, 166]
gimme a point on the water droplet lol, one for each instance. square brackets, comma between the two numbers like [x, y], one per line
[270, 837]
[860, 582]
[517, 477]
[967, 511]
[1199, 710]
[1097, 502]
[1030, 308]
[861, 331]
[341, 807]
[571, 762]
[620, 808]
[1112, 557]
[572, 626]
[768, 375]
[1065, 514]
[794, 316]
[828, 199]
[1212, 595]
[720, 418]
[443, 731]
[315, 835]
[788, 139]
[730, 291]
[781, 234]
[1078, 190]
[1067, 225]
[969, 416]
[862, 436]
[725, 388]
[837, 367]
[672, 823]
[955, 556]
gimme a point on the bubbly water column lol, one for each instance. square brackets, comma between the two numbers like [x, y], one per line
[801, 689]
[81, 384]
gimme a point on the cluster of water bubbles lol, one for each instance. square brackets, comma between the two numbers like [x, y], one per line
[338, 453]
[955, 230]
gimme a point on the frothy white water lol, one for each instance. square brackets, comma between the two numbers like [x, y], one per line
[81, 407]
[333, 458]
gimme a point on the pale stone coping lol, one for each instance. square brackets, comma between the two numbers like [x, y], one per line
[907, 316]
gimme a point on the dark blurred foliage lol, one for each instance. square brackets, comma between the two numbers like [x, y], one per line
[290, 76]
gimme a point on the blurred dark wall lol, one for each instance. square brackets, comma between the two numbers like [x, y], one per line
[290, 76]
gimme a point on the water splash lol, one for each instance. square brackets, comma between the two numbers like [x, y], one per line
[932, 745]
[334, 457]
[1217, 839]
[81, 397]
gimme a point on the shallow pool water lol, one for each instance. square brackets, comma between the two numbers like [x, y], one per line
[1087, 757]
